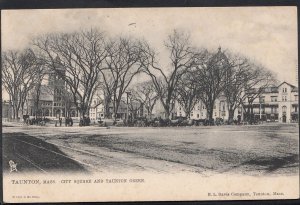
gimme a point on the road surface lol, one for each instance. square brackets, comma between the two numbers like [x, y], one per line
[250, 150]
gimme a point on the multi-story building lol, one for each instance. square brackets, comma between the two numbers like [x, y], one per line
[200, 112]
[53, 100]
[277, 103]
[132, 110]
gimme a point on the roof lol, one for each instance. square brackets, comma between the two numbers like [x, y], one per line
[266, 90]
[287, 84]
[274, 89]
[219, 56]
[294, 89]
[271, 90]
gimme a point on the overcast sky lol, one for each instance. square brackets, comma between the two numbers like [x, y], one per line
[265, 34]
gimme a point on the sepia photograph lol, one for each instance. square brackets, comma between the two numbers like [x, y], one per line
[150, 104]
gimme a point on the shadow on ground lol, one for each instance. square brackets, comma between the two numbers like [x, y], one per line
[33, 154]
[273, 164]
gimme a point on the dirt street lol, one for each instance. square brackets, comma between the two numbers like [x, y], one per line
[268, 149]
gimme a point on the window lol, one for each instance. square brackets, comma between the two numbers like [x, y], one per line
[296, 97]
[198, 116]
[284, 99]
[273, 98]
[262, 99]
[284, 109]
[284, 90]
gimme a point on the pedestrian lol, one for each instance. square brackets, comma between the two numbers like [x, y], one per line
[71, 121]
[60, 122]
[66, 121]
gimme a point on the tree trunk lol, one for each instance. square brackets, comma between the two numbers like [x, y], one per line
[115, 113]
[14, 112]
[81, 113]
[210, 110]
[187, 114]
[106, 107]
[230, 115]
[167, 114]
[150, 114]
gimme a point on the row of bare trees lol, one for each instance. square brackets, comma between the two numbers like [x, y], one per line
[195, 75]
[88, 61]
[21, 74]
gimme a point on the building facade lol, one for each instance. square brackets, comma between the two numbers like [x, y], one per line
[279, 104]
[220, 110]
[274, 104]
[53, 101]
[6, 110]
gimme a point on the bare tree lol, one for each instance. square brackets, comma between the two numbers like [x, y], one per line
[122, 65]
[37, 89]
[187, 93]
[244, 80]
[209, 78]
[107, 86]
[19, 71]
[134, 107]
[260, 79]
[237, 75]
[67, 98]
[146, 95]
[77, 58]
[182, 56]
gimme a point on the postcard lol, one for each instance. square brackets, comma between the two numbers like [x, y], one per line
[150, 104]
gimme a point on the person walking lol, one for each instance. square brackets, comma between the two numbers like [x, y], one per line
[60, 122]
